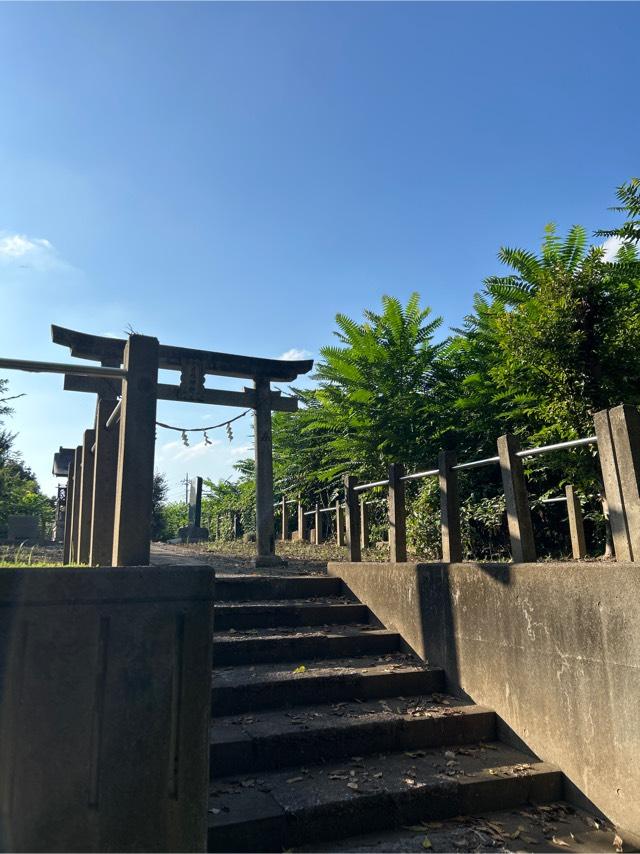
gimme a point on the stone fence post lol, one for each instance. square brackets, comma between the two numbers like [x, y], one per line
[318, 524]
[75, 506]
[449, 508]
[302, 534]
[576, 525]
[364, 523]
[523, 548]
[86, 497]
[68, 515]
[352, 517]
[285, 519]
[618, 432]
[340, 532]
[397, 515]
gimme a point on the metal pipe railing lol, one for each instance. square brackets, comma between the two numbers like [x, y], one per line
[475, 464]
[62, 368]
[573, 443]
[362, 486]
[420, 474]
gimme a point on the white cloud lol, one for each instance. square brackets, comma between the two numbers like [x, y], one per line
[294, 355]
[176, 450]
[611, 247]
[36, 253]
[241, 451]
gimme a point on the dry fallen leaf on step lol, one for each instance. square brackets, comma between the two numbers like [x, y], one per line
[295, 779]
[353, 786]
[618, 843]
[426, 842]
[301, 669]
[449, 754]
[560, 842]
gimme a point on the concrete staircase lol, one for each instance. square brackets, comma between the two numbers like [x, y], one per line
[324, 728]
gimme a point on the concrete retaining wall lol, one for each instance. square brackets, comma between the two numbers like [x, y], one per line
[105, 697]
[553, 648]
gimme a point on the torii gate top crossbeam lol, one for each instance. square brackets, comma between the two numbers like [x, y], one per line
[111, 351]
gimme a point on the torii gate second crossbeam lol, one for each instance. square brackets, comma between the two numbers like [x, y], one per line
[130, 486]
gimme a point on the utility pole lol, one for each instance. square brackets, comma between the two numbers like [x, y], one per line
[186, 482]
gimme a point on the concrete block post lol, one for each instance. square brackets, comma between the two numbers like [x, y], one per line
[75, 508]
[352, 503]
[68, 515]
[317, 517]
[105, 469]
[523, 549]
[106, 708]
[576, 526]
[302, 533]
[136, 447]
[449, 508]
[625, 429]
[397, 515]
[285, 519]
[612, 485]
[364, 524]
[86, 497]
[340, 528]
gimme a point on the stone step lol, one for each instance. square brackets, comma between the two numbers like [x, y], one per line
[293, 807]
[326, 733]
[245, 688]
[258, 646]
[278, 587]
[556, 826]
[242, 615]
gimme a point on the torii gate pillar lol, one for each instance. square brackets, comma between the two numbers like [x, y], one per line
[265, 539]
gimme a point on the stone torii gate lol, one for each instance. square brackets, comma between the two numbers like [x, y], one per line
[139, 390]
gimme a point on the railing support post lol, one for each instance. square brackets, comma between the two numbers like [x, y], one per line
[364, 524]
[449, 508]
[397, 515]
[340, 532]
[523, 549]
[68, 515]
[609, 468]
[285, 519]
[302, 534]
[86, 497]
[105, 469]
[576, 526]
[352, 518]
[136, 447]
[318, 524]
[625, 428]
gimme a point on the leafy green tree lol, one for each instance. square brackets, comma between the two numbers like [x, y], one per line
[629, 197]
[374, 401]
[158, 498]
[19, 489]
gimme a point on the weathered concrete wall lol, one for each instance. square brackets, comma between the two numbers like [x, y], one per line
[105, 697]
[553, 648]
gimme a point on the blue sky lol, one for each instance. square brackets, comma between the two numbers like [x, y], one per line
[229, 176]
